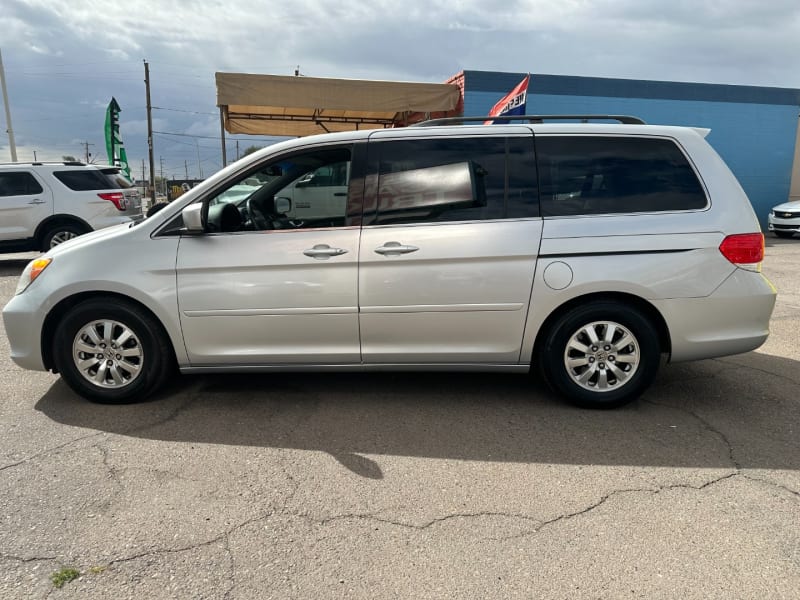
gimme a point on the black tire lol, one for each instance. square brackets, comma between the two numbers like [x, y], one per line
[784, 234]
[139, 375]
[60, 233]
[567, 334]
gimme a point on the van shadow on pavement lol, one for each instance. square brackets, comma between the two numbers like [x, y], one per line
[739, 412]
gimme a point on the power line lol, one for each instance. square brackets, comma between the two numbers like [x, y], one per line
[194, 112]
[212, 137]
[79, 77]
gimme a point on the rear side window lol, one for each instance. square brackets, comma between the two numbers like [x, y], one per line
[601, 175]
[116, 176]
[85, 180]
[456, 179]
[19, 184]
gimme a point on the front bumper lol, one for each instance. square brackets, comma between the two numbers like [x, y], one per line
[23, 318]
[787, 224]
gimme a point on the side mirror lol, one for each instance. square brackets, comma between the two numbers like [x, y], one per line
[193, 218]
[283, 205]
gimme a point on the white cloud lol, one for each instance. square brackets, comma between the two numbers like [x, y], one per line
[140, 127]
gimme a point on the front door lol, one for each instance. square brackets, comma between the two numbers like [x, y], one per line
[269, 289]
[24, 203]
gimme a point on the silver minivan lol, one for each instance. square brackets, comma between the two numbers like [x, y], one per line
[589, 251]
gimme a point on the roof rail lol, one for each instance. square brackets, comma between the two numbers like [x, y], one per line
[39, 163]
[625, 119]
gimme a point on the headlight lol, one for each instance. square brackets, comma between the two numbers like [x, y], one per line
[31, 272]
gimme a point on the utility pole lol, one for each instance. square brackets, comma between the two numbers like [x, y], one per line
[199, 166]
[11, 143]
[186, 168]
[144, 185]
[237, 149]
[150, 133]
[34, 156]
[86, 145]
[222, 136]
[163, 183]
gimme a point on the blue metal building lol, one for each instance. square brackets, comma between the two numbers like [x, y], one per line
[755, 129]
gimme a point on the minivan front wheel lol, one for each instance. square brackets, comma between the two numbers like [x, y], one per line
[601, 355]
[111, 351]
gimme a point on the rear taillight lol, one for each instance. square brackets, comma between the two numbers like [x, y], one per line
[118, 198]
[745, 250]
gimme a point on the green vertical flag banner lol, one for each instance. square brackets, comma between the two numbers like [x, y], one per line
[114, 148]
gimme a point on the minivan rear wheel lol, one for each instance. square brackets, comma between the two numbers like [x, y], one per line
[111, 351]
[600, 355]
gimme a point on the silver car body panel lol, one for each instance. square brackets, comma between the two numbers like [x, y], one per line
[731, 320]
[137, 267]
[456, 298]
[255, 297]
[397, 367]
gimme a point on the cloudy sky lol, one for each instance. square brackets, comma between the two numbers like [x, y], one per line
[65, 60]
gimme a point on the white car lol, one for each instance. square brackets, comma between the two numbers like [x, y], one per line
[784, 219]
[45, 204]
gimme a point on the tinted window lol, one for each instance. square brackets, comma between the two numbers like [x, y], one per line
[19, 184]
[303, 190]
[445, 179]
[85, 180]
[116, 176]
[597, 175]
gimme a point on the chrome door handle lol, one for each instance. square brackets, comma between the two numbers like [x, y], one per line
[36, 201]
[324, 252]
[395, 249]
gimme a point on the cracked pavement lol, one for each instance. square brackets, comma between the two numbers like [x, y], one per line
[410, 485]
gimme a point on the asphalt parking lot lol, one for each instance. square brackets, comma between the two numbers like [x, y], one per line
[409, 485]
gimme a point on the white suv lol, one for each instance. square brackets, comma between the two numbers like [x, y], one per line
[589, 251]
[44, 204]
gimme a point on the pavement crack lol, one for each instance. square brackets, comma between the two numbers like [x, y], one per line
[375, 517]
[172, 415]
[50, 450]
[221, 538]
[708, 427]
[539, 524]
[231, 569]
[657, 490]
[113, 476]
[26, 559]
[772, 484]
[752, 368]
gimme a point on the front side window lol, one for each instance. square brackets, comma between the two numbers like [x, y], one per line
[301, 191]
[19, 183]
[586, 175]
[455, 179]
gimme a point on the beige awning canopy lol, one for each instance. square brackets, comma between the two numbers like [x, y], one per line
[296, 106]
